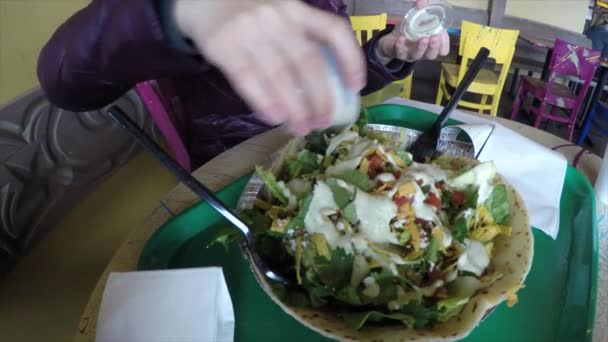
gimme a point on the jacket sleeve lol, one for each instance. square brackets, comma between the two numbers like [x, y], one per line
[378, 75]
[106, 48]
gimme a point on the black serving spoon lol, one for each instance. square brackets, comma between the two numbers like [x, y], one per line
[425, 146]
[202, 191]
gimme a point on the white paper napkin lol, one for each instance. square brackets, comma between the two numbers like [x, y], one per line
[185, 305]
[535, 171]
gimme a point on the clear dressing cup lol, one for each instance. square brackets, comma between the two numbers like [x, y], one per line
[426, 20]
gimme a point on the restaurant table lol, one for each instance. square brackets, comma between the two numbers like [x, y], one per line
[240, 160]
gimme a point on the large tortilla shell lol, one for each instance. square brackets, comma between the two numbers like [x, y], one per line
[512, 257]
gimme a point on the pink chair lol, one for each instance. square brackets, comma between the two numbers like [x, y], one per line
[166, 111]
[567, 60]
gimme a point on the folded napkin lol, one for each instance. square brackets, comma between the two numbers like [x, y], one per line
[536, 172]
[185, 305]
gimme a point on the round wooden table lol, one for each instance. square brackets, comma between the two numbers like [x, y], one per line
[239, 161]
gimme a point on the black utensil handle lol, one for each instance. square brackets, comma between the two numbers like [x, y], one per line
[184, 176]
[461, 89]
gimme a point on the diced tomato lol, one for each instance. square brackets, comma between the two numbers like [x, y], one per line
[402, 200]
[422, 223]
[435, 274]
[433, 200]
[397, 174]
[457, 198]
[420, 181]
[439, 185]
[375, 162]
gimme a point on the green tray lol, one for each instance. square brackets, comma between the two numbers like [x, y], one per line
[557, 304]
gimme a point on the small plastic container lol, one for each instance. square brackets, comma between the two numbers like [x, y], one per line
[347, 103]
[426, 20]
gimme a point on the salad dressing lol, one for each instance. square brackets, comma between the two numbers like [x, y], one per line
[474, 258]
[315, 221]
[480, 176]
[375, 214]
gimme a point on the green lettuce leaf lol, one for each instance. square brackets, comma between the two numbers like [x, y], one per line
[357, 179]
[405, 156]
[460, 230]
[257, 221]
[358, 320]
[315, 142]
[298, 220]
[498, 204]
[423, 316]
[431, 254]
[362, 122]
[341, 196]
[450, 307]
[271, 184]
[334, 273]
[349, 295]
[350, 213]
[225, 237]
[388, 288]
[470, 198]
[306, 163]
[319, 295]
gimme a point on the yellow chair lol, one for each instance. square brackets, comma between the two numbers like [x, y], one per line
[501, 44]
[369, 24]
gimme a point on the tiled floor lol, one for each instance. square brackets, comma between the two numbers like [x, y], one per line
[43, 298]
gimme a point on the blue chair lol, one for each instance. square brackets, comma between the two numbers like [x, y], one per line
[598, 118]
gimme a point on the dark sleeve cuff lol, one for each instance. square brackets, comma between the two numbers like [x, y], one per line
[164, 10]
[396, 68]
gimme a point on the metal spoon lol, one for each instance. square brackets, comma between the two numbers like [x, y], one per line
[426, 145]
[202, 191]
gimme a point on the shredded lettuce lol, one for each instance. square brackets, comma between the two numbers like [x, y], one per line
[272, 184]
[341, 196]
[350, 213]
[431, 254]
[498, 204]
[315, 142]
[362, 122]
[450, 307]
[424, 316]
[358, 320]
[306, 163]
[460, 230]
[335, 272]
[349, 295]
[225, 237]
[298, 220]
[405, 156]
[318, 295]
[357, 179]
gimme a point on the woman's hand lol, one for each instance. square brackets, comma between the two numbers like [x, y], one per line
[396, 46]
[269, 50]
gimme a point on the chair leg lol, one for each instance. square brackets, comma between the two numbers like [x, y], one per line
[518, 101]
[587, 127]
[540, 114]
[484, 101]
[440, 90]
[406, 84]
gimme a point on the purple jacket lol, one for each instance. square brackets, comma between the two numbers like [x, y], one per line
[102, 51]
